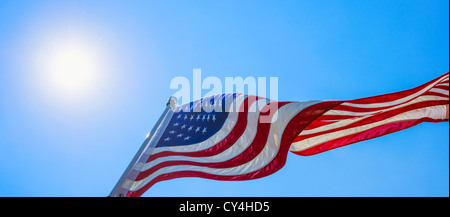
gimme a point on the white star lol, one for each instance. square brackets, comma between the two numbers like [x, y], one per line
[184, 126]
[203, 118]
[197, 129]
[204, 130]
[176, 124]
[172, 132]
[207, 119]
[179, 116]
[167, 139]
[214, 118]
[190, 128]
[185, 117]
[192, 117]
[198, 117]
[180, 135]
[187, 138]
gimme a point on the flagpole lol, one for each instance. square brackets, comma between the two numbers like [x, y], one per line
[118, 191]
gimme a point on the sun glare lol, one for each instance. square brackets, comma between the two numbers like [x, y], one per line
[69, 68]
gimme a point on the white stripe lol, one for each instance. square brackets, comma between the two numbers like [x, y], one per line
[345, 122]
[349, 113]
[238, 147]
[437, 90]
[395, 102]
[269, 152]
[434, 112]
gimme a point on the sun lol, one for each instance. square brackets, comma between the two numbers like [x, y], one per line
[69, 67]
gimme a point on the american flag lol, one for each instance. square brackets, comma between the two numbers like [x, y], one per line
[223, 137]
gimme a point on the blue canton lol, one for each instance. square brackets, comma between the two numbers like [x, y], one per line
[193, 125]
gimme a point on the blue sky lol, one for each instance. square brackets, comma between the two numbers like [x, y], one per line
[74, 136]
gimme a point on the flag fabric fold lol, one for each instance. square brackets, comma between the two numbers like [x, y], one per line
[361, 119]
[225, 137]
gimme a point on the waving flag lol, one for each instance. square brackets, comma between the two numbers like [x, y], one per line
[227, 139]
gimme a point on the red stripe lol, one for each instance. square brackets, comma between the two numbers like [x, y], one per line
[349, 108]
[436, 94]
[293, 128]
[319, 123]
[327, 119]
[443, 87]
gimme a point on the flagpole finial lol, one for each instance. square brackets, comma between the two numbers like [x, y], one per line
[171, 102]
